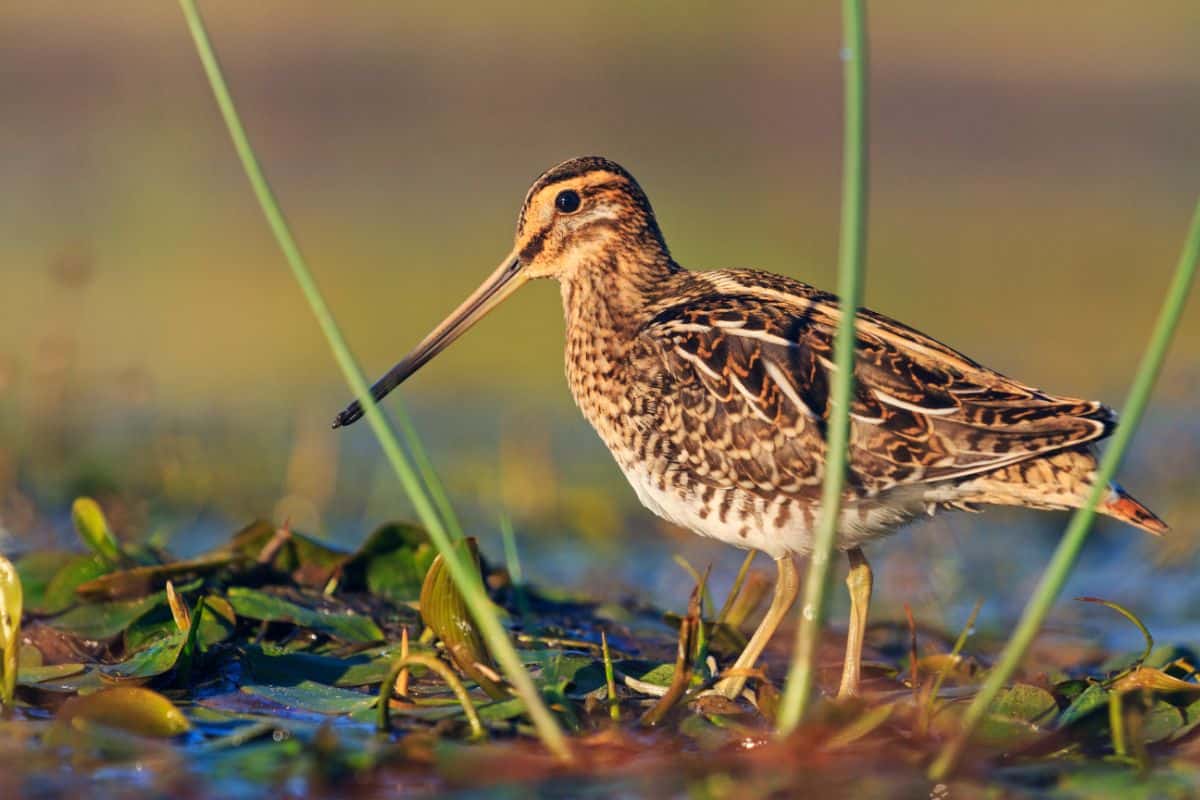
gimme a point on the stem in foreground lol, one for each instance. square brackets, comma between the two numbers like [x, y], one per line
[851, 267]
[1064, 558]
[464, 577]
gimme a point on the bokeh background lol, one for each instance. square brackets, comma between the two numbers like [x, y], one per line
[1034, 167]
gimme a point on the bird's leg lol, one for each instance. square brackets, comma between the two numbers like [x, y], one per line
[787, 586]
[858, 581]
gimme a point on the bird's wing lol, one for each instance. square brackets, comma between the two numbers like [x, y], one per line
[751, 375]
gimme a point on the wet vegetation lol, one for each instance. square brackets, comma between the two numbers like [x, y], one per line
[277, 661]
[272, 660]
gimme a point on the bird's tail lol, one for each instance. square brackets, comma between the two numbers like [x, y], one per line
[1121, 505]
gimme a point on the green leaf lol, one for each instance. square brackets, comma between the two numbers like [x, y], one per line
[59, 594]
[392, 563]
[36, 571]
[105, 620]
[158, 658]
[214, 626]
[315, 697]
[1026, 703]
[289, 668]
[1093, 699]
[1161, 722]
[93, 530]
[347, 626]
[133, 709]
[31, 676]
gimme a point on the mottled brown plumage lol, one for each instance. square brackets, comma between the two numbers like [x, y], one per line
[711, 389]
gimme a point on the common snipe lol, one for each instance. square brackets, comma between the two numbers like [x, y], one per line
[711, 389]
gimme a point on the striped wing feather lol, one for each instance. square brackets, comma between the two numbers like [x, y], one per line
[753, 374]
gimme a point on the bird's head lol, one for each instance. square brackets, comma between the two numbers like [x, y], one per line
[583, 214]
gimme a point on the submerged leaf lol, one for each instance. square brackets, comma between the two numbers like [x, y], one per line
[133, 709]
[93, 530]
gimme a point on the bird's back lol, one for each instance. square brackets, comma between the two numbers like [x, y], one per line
[724, 398]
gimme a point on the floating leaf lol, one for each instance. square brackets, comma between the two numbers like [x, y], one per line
[289, 668]
[445, 612]
[10, 630]
[347, 626]
[128, 708]
[315, 697]
[93, 530]
[31, 675]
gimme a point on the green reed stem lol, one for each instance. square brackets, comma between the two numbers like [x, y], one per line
[851, 267]
[1064, 558]
[428, 474]
[464, 577]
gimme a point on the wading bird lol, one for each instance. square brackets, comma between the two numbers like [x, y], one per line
[711, 389]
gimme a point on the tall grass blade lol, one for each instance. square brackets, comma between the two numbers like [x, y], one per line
[1064, 558]
[851, 267]
[428, 474]
[465, 578]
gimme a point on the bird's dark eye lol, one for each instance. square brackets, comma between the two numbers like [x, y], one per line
[567, 201]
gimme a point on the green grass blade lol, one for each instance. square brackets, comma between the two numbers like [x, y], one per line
[851, 267]
[1064, 558]
[428, 474]
[464, 577]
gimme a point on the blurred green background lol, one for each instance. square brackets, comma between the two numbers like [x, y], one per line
[1034, 166]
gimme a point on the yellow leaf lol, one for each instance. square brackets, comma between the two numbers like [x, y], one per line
[129, 708]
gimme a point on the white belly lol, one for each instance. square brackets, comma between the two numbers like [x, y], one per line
[776, 527]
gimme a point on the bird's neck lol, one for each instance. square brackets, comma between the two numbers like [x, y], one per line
[605, 306]
[611, 296]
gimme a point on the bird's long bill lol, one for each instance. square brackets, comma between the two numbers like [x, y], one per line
[507, 278]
